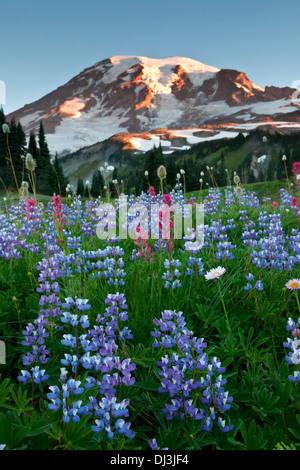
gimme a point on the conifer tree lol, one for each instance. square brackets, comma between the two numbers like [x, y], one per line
[154, 158]
[61, 181]
[17, 144]
[97, 187]
[222, 177]
[80, 187]
[171, 173]
[250, 176]
[112, 188]
[32, 146]
[45, 176]
[4, 162]
[270, 171]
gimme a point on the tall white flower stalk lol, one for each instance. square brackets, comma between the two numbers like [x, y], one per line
[52, 161]
[200, 193]
[115, 183]
[210, 172]
[284, 158]
[147, 176]
[88, 185]
[162, 173]
[182, 172]
[265, 141]
[106, 172]
[216, 273]
[261, 161]
[30, 166]
[6, 131]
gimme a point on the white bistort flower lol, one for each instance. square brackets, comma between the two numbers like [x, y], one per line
[238, 191]
[261, 159]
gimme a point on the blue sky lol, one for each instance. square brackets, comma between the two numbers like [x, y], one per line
[44, 44]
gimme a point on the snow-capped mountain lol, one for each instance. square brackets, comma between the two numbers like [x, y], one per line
[128, 94]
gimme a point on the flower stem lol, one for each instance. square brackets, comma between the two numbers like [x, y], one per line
[224, 307]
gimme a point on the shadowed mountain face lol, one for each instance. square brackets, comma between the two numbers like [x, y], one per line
[138, 94]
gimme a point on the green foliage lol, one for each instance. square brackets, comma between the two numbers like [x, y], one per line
[49, 178]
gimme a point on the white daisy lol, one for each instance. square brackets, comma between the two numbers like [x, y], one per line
[215, 273]
[293, 284]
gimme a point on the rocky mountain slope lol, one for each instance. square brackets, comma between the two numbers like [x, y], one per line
[129, 95]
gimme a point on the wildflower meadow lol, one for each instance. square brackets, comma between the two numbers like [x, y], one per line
[140, 341]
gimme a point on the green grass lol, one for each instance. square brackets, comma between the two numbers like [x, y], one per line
[269, 189]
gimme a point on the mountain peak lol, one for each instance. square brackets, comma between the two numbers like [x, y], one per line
[191, 65]
[138, 94]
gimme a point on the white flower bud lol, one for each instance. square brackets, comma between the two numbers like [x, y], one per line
[5, 128]
[30, 162]
[25, 193]
[161, 172]
[284, 157]
[146, 173]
